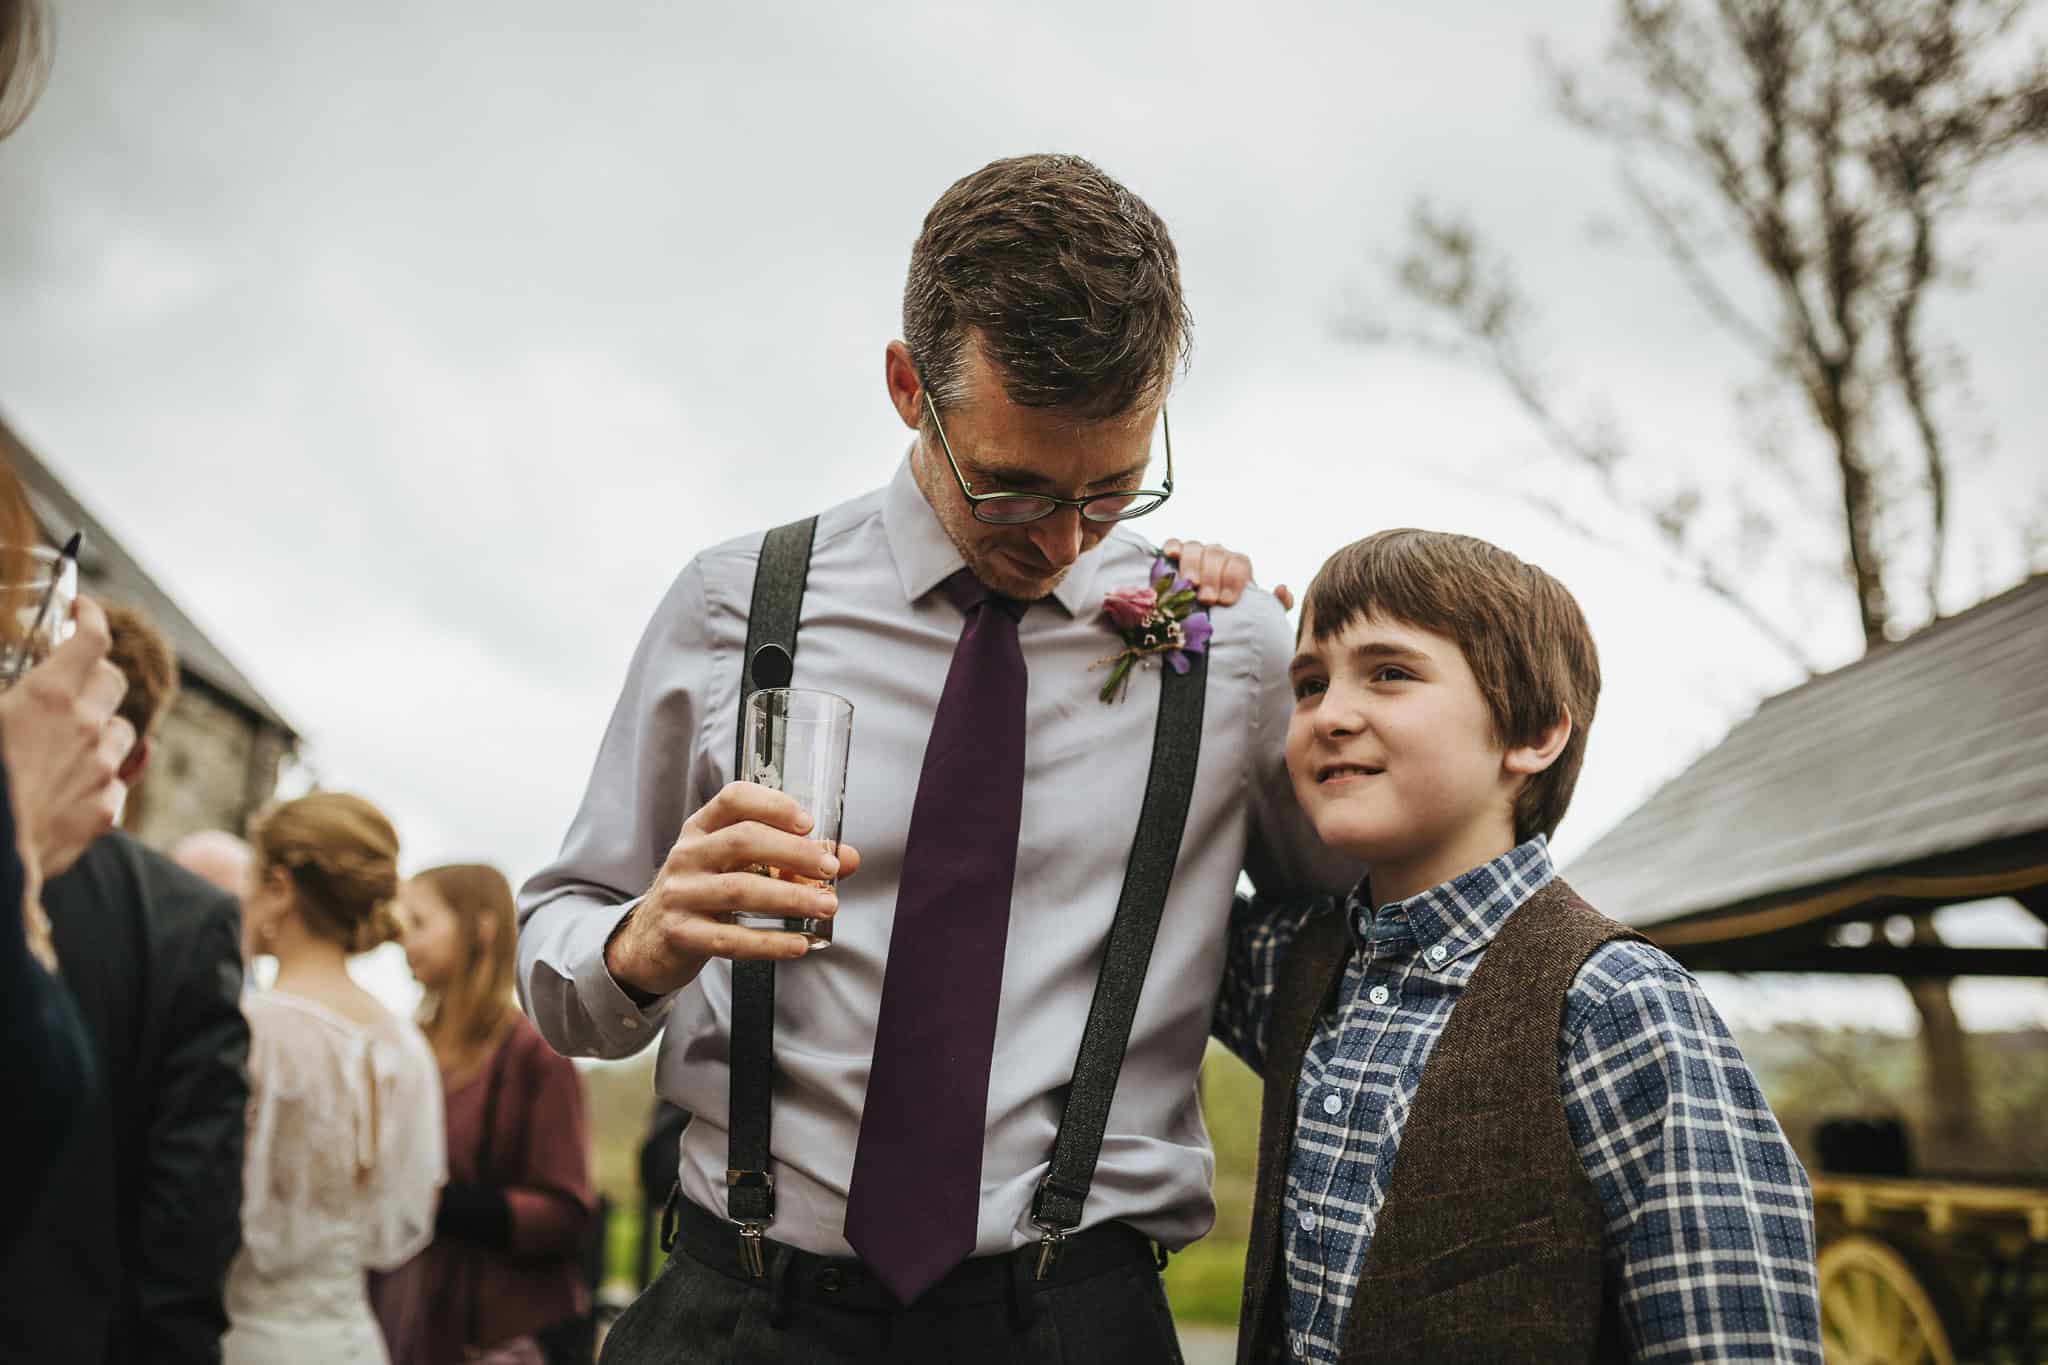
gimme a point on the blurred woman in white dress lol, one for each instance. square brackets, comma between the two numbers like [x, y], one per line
[346, 1155]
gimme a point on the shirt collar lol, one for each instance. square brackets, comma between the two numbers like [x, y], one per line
[926, 556]
[1468, 910]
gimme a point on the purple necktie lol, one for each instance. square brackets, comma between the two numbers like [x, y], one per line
[915, 1197]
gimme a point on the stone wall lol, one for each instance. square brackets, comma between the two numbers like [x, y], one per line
[214, 765]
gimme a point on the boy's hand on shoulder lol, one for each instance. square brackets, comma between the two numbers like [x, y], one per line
[1219, 573]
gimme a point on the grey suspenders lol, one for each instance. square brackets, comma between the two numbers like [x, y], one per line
[1176, 745]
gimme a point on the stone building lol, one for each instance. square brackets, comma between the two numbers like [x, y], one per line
[220, 746]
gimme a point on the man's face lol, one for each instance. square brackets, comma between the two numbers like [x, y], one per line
[1004, 448]
[1393, 756]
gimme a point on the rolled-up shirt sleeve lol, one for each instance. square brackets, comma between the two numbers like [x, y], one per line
[642, 787]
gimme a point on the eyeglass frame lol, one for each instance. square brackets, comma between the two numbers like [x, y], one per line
[1052, 501]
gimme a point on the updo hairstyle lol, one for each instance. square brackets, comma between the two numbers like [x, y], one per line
[342, 857]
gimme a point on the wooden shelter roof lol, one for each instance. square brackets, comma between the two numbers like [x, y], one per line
[1915, 777]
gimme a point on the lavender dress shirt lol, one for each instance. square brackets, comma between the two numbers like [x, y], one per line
[875, 631]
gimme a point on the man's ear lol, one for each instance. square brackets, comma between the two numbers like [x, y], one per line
[906, 390]
[1526, 760]
[137, 760]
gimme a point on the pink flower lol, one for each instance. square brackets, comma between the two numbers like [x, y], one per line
[1129, 607]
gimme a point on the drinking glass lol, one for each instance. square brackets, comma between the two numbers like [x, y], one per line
[37, 589]
[797, 741]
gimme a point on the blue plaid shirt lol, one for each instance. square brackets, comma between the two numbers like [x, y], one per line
[1709, 1242]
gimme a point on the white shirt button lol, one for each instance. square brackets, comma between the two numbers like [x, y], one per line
[1437, 952]
[1332, 1105]
[1308, 1221]
[630, 1020]
[1379, 995]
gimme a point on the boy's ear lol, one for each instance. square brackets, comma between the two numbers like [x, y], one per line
[1526, 760]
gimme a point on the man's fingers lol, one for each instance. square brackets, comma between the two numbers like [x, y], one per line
[712, 938]
[751, 843]
[749, 893]
[1170, 548]
[741, 801]
[849, 860]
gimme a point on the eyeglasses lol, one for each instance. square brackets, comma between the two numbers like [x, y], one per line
[1011, 509]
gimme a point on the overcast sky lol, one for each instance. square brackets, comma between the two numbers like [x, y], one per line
[416, 347]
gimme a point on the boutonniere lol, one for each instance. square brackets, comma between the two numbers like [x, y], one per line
[1155, 618]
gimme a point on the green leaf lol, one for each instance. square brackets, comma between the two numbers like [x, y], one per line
[1177, 605]
[1111, 688]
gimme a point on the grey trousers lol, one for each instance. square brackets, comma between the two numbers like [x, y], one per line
[694, 1312]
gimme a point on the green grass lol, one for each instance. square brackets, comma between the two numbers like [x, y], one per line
[1205, 1281]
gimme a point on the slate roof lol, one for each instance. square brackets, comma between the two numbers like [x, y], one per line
[106, 568]
[1936, 745]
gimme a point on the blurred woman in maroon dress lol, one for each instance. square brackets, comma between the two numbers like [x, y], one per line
[503, 1265]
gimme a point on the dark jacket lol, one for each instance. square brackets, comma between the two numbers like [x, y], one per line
[49, 1064]
[129, 1253]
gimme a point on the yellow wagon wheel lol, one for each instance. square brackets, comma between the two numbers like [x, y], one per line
[1874, 1310]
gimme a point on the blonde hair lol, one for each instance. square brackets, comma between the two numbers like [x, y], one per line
[461, 1019]
[24, 59]
[341, 855]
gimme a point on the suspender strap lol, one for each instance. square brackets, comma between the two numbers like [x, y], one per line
[1176, 745]
[771, 647]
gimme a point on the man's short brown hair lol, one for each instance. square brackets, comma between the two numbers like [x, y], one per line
[1521, 632]
[144, 657]
[1069, 281]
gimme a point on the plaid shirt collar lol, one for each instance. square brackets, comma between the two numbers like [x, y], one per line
[1461, 915]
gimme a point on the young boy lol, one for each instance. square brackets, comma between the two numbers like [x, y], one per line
[1587, 1169]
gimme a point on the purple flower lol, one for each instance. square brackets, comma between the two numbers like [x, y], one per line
[1128, 608]
[1162, 569]
[1195, 632]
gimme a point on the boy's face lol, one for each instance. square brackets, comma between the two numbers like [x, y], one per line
[1393, 755]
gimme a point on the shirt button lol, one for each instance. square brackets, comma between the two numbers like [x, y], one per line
[1332, 1105]
[1438, 952]
[630, 1021]
[1308, 1221]
[1379, 995]
[830, 1280]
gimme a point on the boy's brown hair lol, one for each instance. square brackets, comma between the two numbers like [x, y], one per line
[1521, 632]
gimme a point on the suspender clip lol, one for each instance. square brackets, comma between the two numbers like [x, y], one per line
[1049, 1247]
[751, 1259]
[761, 1184]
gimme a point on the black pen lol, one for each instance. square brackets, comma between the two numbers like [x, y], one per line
[68, 555]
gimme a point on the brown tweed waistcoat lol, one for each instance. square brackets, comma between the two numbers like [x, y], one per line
[1488, 1247]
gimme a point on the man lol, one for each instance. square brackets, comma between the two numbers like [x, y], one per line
[922, 1061]
[216, 856]
[128, 1252]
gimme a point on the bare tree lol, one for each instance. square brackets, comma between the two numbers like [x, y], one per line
[1803, 164]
